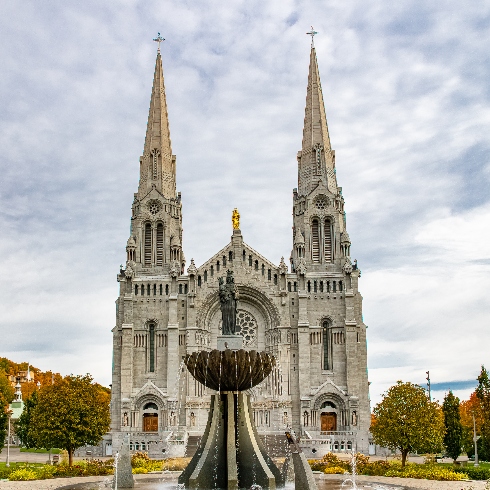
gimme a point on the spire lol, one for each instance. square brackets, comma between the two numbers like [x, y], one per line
[157, 163]
[316, 159]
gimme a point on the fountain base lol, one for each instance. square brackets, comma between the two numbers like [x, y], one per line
[230, 455]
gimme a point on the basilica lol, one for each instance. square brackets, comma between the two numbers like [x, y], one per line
[306, 311]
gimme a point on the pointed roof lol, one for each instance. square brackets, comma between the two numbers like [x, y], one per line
[159, 170]
[315, 129]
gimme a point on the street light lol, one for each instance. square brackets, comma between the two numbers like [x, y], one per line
[475, 440]
[9, 414]
[428, 384]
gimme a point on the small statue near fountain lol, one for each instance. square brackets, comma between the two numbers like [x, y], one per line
[123, 475]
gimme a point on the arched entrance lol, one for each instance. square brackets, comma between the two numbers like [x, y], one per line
[150, 417]
[328, 421]
[328, 417]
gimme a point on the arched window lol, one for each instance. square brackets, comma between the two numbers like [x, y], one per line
[315, 241]
[256, 265]
[275, 279]
[328, 286]
[142, 290]
[230, 256]
[224, 260]
[263, 269]
[334, 286]
[326, 346]
[269, 274]
[150, 406]
[152, 347]
[147, 253]
[198, 280]
[136, 287]
[185, 289]
[212, 271]
[289, 286]
[327, 247]
[166, 289]
[217, 266]
[161, 289]
[148, 290]
[205, 276]
[340, 286]
[309, 286]
[243, 255]
[321, 286]
[250, 261]
[314, 286]
[154, 289]
[160, 244]
[180, 288]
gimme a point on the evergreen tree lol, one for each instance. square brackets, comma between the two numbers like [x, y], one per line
[483, 394]
[453, 438]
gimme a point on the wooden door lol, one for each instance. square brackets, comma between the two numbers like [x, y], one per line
[150, 422]
[328, 421]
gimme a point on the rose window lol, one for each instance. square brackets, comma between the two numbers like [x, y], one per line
[247, 328]
[321, 202]
[154, 207]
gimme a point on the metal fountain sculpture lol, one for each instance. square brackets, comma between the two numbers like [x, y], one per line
[231, 455]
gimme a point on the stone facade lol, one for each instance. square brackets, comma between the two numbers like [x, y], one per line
[309, 315]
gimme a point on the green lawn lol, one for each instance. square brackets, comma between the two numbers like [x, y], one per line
[53, 451]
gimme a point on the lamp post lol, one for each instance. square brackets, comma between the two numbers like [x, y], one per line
[7, 462]
[428, 384]
[475, 440]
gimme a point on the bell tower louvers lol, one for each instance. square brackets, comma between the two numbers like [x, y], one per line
[156, 231]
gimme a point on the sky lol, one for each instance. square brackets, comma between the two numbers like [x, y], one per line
[408, 106]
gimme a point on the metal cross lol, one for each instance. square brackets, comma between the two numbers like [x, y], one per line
[159, 39]
[312, 34]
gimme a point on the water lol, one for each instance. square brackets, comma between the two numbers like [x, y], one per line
[169, 483]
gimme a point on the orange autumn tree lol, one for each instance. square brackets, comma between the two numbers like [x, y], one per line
[72, 412]
[467, 409]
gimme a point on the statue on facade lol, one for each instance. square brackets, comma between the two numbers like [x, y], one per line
[235, 219]
[228, 297]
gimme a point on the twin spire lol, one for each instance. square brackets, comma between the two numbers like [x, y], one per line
[316, 159]
[158, 163]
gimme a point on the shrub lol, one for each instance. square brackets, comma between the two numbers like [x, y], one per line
[139, 459]
[374, 468]
[175, 464]
[23, 474]
[474, 473]
[5, 472]
[45, 472]
[334, 470]
[427, 473]
[139, 470]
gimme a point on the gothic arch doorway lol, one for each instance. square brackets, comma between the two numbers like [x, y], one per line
[150, 417]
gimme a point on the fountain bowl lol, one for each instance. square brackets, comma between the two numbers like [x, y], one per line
[230, 370]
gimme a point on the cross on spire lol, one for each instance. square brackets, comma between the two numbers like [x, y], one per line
[159, 39]
[312, 34]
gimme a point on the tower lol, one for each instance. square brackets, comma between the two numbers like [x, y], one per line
[308, 317]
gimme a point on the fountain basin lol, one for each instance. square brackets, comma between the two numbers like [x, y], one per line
[230, 370]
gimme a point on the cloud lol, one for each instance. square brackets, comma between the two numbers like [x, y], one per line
[407, 100]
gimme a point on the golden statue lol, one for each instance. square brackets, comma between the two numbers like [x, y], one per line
[235, 219]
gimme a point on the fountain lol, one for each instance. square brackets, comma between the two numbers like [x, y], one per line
[123, 476]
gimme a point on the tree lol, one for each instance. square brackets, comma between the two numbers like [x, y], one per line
[468, 409]
[6, 388]
[406, 420]
[453, 437]
[4, 407]
[70, 413]
[23, 424]
[483, 394]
